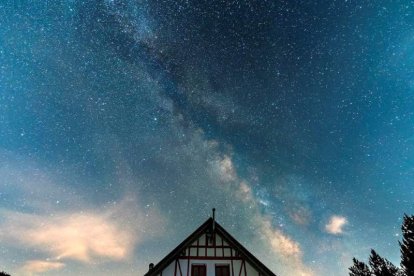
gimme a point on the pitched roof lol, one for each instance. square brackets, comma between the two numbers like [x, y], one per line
[249, 257]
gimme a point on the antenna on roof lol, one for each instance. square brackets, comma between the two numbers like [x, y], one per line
[214, 219]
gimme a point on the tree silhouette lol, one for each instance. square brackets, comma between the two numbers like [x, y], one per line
[2, 273]
[407, 246]
[378, 266]
[381, 266]
[359, 269]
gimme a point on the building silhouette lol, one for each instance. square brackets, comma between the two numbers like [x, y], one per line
[209, 251]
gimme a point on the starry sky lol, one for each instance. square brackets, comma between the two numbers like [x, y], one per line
[124, 122]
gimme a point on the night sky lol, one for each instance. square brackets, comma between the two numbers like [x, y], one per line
[124, 122]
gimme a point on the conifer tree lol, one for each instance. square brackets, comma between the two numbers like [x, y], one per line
[407, 246]
[359, 269]
[381, 266]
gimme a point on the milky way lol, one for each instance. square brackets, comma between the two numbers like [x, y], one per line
[123, 122]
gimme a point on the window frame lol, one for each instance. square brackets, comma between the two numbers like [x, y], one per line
[222, 265]
[198, 265]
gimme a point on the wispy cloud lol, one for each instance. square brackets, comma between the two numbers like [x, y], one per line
[39, 266]
[72, 230]
[69, 235]
[335, 225]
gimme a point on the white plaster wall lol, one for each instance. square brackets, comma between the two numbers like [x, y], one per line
[210, 265]
[250, 270]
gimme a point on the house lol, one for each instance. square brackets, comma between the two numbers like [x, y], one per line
[209, 251]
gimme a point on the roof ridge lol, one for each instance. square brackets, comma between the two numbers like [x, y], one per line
[250, 258]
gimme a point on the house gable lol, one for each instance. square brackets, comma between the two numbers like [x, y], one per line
[213, 247]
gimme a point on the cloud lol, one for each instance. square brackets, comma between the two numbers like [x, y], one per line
[335, 225]
[57, 225]
[39, 266]
[77, 236]
[24, 183]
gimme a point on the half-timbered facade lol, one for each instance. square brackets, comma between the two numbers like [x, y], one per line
[209, 251]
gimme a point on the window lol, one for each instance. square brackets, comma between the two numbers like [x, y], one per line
[198, 270]
[222, 270]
